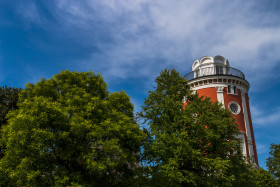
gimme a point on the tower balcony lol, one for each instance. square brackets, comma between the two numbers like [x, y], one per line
[216, 71]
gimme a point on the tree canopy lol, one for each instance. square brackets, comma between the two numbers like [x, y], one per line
[273, 161]
[69, 130]
[190, 145]
[262, 177]
[8, 102]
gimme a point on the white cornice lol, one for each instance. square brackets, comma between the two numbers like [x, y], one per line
[218, 81]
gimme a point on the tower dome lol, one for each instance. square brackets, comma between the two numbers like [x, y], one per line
[214, 78]
[208, 62]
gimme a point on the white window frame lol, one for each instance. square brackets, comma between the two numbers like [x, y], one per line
[232, 90]
[220, 70]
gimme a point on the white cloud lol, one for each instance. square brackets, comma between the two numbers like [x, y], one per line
[262, 148]
[139, 38]
[265, 118]
[29, 12]
[180, 31]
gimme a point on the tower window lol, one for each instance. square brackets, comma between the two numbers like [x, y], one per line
[234, 107]
[219, 70]
[232, 89]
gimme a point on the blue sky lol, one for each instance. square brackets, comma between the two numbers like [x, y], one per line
[130, 41]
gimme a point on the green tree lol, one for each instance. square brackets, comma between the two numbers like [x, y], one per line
[263, 178]
[190, 145]
[8, 102]
[70, 130]
[273, 161]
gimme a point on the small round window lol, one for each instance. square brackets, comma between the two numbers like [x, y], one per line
[234, 107]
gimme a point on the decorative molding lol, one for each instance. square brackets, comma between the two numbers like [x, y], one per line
[220, 88]
[218, 81]
[220, 95]
[243, 92]
[247, 125]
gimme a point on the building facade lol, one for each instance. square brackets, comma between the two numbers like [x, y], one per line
[214, 78]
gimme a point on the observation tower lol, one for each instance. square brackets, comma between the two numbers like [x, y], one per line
[214, 78]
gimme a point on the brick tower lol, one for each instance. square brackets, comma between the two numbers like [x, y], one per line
[214, 78]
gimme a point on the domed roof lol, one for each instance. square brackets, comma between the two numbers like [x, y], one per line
[208, 61]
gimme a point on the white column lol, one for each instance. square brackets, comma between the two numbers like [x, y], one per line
[247, 125]
[241, 137]
[220, 95]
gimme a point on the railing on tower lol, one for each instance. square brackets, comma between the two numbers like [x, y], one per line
[214, 71]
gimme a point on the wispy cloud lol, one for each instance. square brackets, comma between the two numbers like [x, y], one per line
[177, 32]
[29, 12]
[265, 117]
[262, 148]
[139, 38]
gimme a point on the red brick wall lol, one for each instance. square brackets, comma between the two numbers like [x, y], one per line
[239, 117]
[212, 93]
[209, 92]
